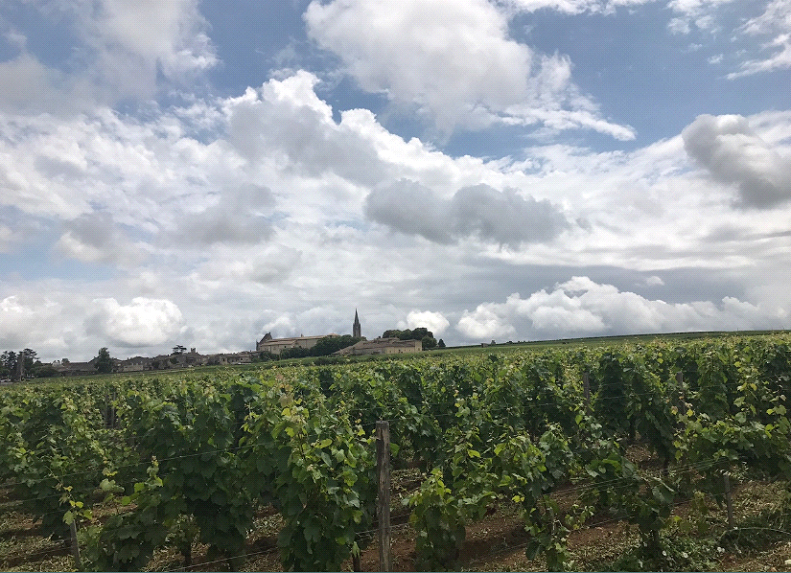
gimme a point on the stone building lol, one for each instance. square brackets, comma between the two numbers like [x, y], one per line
[382, 346]
[78, 368]
[277, 345]
[231, 358]
[135, 364]
[357, 331]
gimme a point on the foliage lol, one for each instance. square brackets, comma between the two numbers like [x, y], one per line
[31, 365]
[45, 371]
[297, 352]
[8, 362]
[331, 344]
[104, 363]
[421, 333]
[678, 553]
[195, 455]
[51, 474]
[439, 516]
[318, 467]
[127, 541]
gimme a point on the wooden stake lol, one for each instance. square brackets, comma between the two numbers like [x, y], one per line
[383, 509]
[75, 547]
[728, 500]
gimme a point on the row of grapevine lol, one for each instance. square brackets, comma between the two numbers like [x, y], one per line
[194, 457]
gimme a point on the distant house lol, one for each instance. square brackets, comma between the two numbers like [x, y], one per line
[177, 360]
[135, 364]
[382, 346]
[277, 345]
[192, 358]
[231, 358]
[77, 368]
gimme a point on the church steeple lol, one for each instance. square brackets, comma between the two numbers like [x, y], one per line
[356, 328]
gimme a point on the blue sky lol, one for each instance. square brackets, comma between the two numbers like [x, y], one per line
[203, 172]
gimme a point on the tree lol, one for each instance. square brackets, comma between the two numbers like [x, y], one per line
[331, 344]
[441, 343]
[8, 360]
[7, 363]
[294, 352]
[266, 356]
[46, 371]
[429, 342]
[32, 365]
[421, 333]
[30, 357]
[104, 362]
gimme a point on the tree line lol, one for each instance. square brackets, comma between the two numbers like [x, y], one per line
[32, 367]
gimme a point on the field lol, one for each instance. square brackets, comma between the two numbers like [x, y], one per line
[644, 453]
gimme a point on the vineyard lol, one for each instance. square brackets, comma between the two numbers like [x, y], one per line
[563, 439]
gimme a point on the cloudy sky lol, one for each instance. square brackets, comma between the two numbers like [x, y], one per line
[202, 172]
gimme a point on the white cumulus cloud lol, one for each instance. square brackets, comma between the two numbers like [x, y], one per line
[25, 320]
[504, 217]
[434, 321]
[456, 62]
[121, 50]
[94, 238]
[581, 307]
[132, 44]
[733, 153]
[486, 321]
[143, 322]
[271, 264]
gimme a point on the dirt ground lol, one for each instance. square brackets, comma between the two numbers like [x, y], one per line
[496, 543]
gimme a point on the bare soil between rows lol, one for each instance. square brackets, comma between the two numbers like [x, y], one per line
[495, 543]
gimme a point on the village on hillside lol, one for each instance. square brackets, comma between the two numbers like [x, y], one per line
[267, 348]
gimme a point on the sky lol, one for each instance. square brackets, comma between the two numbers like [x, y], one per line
[204, 172]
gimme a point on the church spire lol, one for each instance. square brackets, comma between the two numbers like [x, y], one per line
[356, 328]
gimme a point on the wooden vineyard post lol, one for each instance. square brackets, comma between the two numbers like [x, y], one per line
[728, 500]
[19, 369]
[383, 499]
[586, 383]
[75, 548]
